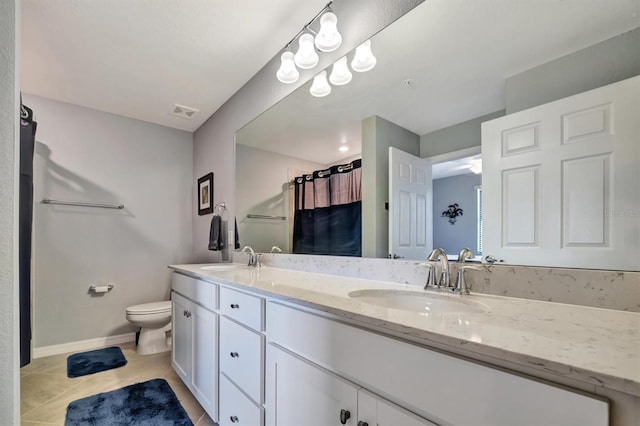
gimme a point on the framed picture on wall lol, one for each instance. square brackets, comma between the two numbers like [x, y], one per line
[205, 194]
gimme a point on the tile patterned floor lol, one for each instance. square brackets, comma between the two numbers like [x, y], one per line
[46, 390]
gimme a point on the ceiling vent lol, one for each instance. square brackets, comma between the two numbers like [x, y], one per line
[183, 111]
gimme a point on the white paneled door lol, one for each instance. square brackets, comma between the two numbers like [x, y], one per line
[410, 206]
[561, 181]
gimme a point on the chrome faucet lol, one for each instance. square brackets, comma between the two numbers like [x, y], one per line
[276, 249]
[439, 254]
[465, 254]
[254, 258]
[461, 282]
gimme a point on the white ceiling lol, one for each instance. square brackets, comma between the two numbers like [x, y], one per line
[458, 54]
[461, 166]
[137, 58]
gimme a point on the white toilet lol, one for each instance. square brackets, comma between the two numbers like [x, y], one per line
[154, 320]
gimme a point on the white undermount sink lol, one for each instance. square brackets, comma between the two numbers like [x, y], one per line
[223, 267]
[417, 301]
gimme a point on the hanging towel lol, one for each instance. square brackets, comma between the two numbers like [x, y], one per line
[237, 238]
[216, 237]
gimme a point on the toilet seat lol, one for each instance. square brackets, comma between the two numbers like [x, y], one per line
[150, 308]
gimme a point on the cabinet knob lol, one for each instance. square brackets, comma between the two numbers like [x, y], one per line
[235, 306]
[361, 423]
[184, 313]
[234, 419]
[234, 354]
[344, 416]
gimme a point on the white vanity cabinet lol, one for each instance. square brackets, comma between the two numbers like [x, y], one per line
[301, 393]
[437, 386]
[194, 354]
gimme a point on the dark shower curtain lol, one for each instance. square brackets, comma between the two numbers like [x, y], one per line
[328, 211]
[27, 143]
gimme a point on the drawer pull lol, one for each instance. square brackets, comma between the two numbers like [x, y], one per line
[361, 423]
[184, 313]
[235, 306]
[234, 419]
[234, 354]
[344, 416]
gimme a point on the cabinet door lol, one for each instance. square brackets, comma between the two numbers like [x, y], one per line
[302, 394]
[181, 337]
[204, 374]
[373, 410]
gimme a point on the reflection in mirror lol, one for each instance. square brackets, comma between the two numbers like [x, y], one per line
[442, 70]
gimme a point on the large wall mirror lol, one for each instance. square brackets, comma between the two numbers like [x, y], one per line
[442, 70]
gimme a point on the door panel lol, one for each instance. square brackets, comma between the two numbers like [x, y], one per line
[205, 363]
[181, 337]
[374, 410]
[410, 206]
[302, 394]
[560, 181]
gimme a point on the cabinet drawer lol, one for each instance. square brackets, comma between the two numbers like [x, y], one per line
[242, 307]
[235, 408]
[241, 357]
[202, 292]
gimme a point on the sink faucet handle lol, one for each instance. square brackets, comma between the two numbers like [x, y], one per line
[465, 254]
[431, 274]
[462, 286]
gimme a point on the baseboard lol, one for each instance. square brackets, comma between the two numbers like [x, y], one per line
[81, 345]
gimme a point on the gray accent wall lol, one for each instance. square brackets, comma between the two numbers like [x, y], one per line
[378, 135]
[604, 63]
[454, 138]
[87, 155]
[214, 149]
[9, 139]
[456, 189]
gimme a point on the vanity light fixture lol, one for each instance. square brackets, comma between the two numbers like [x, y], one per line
[306, 56]
[363, 60]
[340, 74]
[320, 87]
[327, 39]
[287, 73]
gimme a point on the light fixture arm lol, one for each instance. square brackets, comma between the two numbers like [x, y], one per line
[307, 27]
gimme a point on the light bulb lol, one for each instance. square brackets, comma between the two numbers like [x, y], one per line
[287, 73]
[476, 166]
[340, 74]
[343, 148]
[320, 86]
[306, 56]
[328, 38]
[363, 60]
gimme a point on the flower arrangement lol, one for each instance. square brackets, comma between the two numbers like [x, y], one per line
[452, 212]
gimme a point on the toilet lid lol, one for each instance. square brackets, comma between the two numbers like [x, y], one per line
[150, 308]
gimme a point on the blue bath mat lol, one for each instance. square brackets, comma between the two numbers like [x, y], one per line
[95, 361]
[151, 403]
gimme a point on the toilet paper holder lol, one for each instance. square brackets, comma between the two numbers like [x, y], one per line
[100, 288]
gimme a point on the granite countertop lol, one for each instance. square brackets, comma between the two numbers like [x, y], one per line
[593, 345]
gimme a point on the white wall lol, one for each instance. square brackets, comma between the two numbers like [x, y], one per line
[9, 102]
[214, 140]
[262, 188]
[92, 156]
[378, 135]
